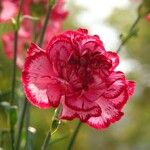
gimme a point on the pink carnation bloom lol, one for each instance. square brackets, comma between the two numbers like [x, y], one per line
[148, 17]
[58, 12]
[54, 27]
[76, 72]
[24, 39]
[8, 10]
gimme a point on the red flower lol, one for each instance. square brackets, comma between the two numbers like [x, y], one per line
[58, 12]
[54, 27]
[24, 39]
[8, 10]
[148, 17]
[76, 71]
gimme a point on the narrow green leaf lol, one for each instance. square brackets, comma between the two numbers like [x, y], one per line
[54, 126]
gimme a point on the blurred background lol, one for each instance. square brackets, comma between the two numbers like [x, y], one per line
[108, 19]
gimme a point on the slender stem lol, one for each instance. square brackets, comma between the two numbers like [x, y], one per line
[14, 68]
[50, 5]
[75, 133]
[130, 34]
[54, 127]
[13, 88]
[17, 24]
[132, 28]
[46, 141]
[14, 72]
[20, 125]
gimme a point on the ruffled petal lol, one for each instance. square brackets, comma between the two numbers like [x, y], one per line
[118, 89]
[96, 90]
[131, 87]
[114, 76]
[91, 43]
[33, 49]
[38, 82]
[120, 100]
[54, 94]
[109, 115]
[80, 103]
[69, 114]
[59, 49]
[115, 89]
[114, 58]
[83, 31]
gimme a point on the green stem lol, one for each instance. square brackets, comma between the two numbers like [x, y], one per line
[20, 125]
[13, 88]
[46, 141]
[54, 127]
[75, 133]
[50, 5]
[17, 25]
[14, 68]
[130, 34]
[131, 30]
[14, 71]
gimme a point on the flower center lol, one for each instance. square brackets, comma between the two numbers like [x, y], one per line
[85, 66]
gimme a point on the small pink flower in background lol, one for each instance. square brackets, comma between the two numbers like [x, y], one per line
[8, 10]
[55, 24]
[148, 17]
[24, 39]
[58, 12]
[77, 72]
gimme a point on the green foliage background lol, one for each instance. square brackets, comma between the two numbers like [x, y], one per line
[131, 133]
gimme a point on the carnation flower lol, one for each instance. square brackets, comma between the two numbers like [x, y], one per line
[8, 10]
[24, 39]
[76, 72]
[55, 24]
[58, 12]
[148, 17]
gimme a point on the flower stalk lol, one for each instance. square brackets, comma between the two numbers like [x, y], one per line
[16, 24]
[74, 135]
[24, 107]
[54, 126]
[20, 125]
[132, 31]
[46, 141]
[50, 5]
[130, 34]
